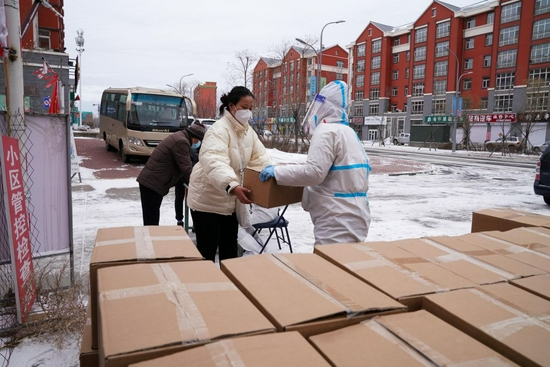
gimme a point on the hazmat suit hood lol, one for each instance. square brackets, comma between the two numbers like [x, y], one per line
[329, 106]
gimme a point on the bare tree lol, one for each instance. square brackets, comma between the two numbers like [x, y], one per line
[533, 112]
[240, 71]
[470, 102]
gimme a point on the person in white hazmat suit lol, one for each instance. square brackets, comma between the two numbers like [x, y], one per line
[336, 172]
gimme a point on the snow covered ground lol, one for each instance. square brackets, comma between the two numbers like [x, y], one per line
[437, 202]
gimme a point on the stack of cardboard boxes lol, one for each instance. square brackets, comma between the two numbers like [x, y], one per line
[479, 299]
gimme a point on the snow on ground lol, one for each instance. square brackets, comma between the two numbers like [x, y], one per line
[439, 202]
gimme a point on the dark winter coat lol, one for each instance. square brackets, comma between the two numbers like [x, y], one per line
[169, 162]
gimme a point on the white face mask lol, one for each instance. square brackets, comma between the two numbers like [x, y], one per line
[243, 116]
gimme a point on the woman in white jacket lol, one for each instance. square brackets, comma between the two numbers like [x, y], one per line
[336, 173]
[228, 147]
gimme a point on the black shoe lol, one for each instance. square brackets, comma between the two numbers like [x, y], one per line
[180, 223]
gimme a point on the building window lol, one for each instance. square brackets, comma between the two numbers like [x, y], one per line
[489, 40]
[537, 101]
[375, 62]
[339, 64]
[376, 46]
[361, 50]
[394, 92]
[374, 109]
[44, 39]
[439, 106]
[408, 56]
[511, 12]
[359, 95]
[406, 90]
[339, 76]
[418, 90]
[505, 80]
[395, 74]
[540, 74]
[394, 107]
[468, 64]
[470, 23]
[541, 29]
[542, 6]
[440, 87]
[540, 53]
[441, 68]
[443, 29]
[396, 41]
[292, 65]
[486, 61]
[509, 36]
[407, 73]
[442, 49]
[469, 43]
[485, 82]
[417, 107]
[420, 53]
[360, 65]
[396, 58]
[360, 81]
[507, 59]
[421, 35]
[358, 111]
[490, 18]
[375, 93]
[434, 12]
[484, 103]
[375, 78]
[419, 72]
[467, 84]
[370, 32]
[503, 103]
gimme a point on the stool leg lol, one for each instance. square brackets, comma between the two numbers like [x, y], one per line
[288, 238]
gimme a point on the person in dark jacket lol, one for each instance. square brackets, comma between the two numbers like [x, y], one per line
[169, 163]
[180, 190]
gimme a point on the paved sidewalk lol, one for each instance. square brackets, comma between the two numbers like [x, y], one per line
[394, 167]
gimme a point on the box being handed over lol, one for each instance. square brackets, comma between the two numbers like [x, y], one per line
[269, 194]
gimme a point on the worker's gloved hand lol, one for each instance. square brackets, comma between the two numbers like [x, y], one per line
[267, 173]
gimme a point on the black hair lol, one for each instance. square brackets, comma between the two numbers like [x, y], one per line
[234, 97]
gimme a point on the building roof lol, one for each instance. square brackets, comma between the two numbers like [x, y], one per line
[270, 61]
[305, 51]
[383, 27]
[448, 6]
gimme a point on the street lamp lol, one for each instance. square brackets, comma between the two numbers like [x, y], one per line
[457, 95]
[180, 88]
[80, 49]
[315, 51]
[321, 54]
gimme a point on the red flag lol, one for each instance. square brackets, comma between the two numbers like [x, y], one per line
[45, 69]
[54, 99]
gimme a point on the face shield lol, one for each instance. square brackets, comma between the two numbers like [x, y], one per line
[329, 106]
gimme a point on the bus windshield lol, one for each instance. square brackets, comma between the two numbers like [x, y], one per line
[151, 111]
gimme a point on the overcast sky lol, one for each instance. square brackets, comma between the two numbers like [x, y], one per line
[154, 43]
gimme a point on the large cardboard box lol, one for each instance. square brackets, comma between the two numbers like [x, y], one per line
[501, 219]
[532, 238]
[507, 319]
[509, 257]
[409, 339]
[88, 356]
[269, 194]
[126, 245]
[539, 285]
[272, 350]
[150, 310]
[406, 270]
[306, 293]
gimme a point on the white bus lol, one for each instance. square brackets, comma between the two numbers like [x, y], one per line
[135, 120]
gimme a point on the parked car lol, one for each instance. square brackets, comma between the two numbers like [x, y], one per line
[512, 142]
[402, 138]
[206, 122]
[542, 177]
[265, 133]
[81, 128]
[541, 148]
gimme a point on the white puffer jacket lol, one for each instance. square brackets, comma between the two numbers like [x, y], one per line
[219, 165]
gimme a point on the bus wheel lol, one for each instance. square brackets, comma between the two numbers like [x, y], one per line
[125, 157]
[108, 146]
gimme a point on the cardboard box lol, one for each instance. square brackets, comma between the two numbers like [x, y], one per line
[88, 356]
[409, 339]
[539, 285]
[506, 256]
[268, 194]
[507, 319]
[500, 219]
[404, 275]
[147, 311]
[126, 245]
[532, 238]
[272, 350]
[305, 293]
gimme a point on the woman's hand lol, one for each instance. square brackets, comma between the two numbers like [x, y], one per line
[240, 192]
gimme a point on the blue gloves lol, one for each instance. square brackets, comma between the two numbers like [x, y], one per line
[267, 173]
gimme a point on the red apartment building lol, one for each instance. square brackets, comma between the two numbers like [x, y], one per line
[284, 87]
[497, 51]
[205, 98]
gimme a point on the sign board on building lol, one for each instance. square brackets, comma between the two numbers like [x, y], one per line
[438, 119]
[312, 86]
[18, 227]
[46, 102]
[492, 118]
[376, 120]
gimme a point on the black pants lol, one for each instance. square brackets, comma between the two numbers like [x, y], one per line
[178, 203]
[150, 205]
[216, 231]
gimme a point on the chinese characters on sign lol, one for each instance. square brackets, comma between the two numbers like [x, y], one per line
[493, 117]
[18, 227]
[438, 119]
